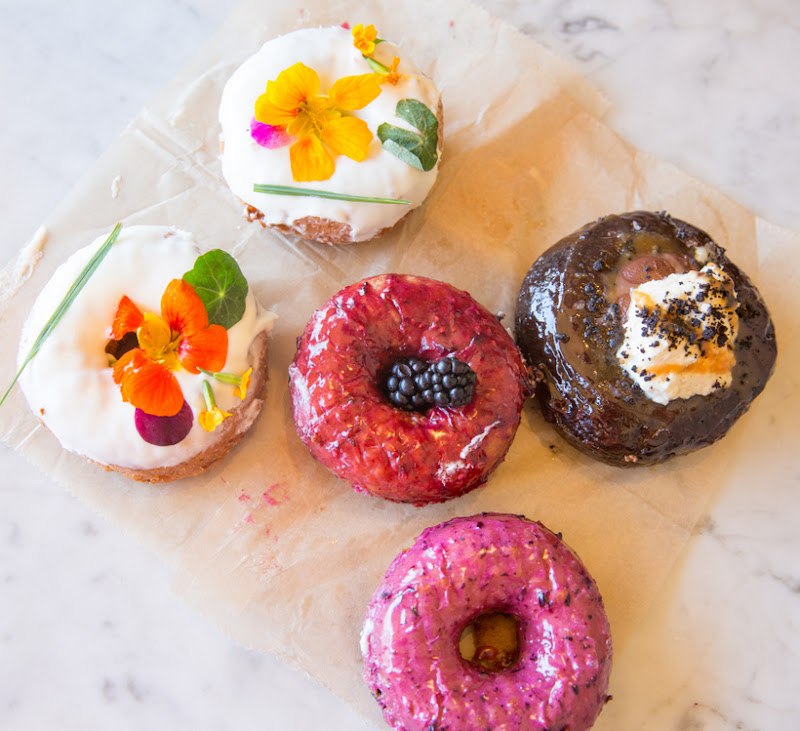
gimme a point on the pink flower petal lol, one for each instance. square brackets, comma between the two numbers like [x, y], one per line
[268, 135]
[164, 431]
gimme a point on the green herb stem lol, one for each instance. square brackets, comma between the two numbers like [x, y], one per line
[376, 65]
[65, 304]
[223, 377]
[208, 396]
[310, 193]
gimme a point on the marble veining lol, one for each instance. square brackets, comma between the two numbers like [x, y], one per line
[710, 86]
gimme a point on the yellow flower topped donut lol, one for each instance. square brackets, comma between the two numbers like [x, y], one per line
[331, 134]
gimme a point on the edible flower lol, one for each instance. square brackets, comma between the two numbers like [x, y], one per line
[241, 383]
[213, 416]
[181, 338]
[390, 76]
[268, 135]
[364, 38]
[318, 121]
[244, 384]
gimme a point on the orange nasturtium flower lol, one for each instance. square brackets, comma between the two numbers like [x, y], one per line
[180, 338]
[364, 38]
[318, 121]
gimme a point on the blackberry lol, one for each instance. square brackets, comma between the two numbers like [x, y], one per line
[414, 385]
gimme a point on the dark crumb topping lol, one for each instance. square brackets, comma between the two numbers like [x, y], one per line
[683, 323]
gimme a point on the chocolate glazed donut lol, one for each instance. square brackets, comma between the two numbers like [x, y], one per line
[569, 324]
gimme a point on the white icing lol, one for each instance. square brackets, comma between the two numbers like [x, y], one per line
[69, 383]
[477, 440]
[447, 469]
[668, 366]
[330, 52]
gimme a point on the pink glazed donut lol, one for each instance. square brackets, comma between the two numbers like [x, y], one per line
[345, 418]
[461, 570]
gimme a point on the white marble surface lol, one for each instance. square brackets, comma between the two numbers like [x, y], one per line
[90, 635]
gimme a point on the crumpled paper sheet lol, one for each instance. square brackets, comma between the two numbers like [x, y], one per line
[272, 548]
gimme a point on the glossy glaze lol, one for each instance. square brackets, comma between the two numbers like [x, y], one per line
[458, 571]
[569, 326]
[344, 417]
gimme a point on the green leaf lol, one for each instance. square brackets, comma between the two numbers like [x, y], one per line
[418, 149]
[419, 116]
[310, 193]
[66, 303]
[219, 282]
[410, 147]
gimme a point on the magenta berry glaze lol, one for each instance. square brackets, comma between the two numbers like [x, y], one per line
[344, 416]
[457, 571]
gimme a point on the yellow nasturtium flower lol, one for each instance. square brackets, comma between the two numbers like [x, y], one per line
[212, 418]
[319, 122]
[364, 38]
[244, 383]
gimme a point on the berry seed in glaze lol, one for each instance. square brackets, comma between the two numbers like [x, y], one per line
[342, 410]
[457, 572]
[572, 322]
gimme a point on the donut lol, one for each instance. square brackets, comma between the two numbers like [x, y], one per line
[650, 342]
[118, 379]
[330, 110]
[455, 574]
[340, 397]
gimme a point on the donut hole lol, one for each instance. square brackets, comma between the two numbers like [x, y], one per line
[117, 348]
[491, 641]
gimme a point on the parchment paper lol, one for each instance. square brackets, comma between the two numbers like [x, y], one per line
[280, 554]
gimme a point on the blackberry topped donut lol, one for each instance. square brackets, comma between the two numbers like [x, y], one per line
[330, 134]
[487, 622]
[158, 367]
[408, 388]
[651, 342]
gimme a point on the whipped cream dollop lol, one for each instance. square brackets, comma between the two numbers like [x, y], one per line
[680, 333]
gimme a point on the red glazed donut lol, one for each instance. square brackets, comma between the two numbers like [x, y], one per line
[461, 570]
[344, 416]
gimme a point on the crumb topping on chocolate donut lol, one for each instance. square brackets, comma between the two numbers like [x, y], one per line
[680, 333]
[573, 314]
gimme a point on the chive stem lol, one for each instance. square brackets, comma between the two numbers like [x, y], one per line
[65, 304]
[311, 193]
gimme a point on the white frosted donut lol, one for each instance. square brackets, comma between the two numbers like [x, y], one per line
[331, 53]
[69, 384]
